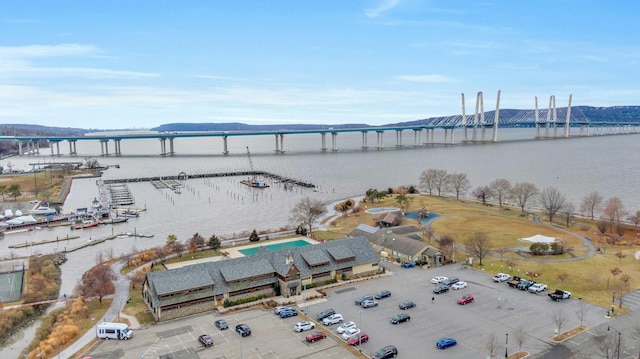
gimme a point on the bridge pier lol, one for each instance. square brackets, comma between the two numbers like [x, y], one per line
[398, 138]
[416, 137]
[282, 143]
[225, 150]
[334, 141]
[364, 139]
[104, 147]
[163, 146]
[171, 152]
[324, 141]
[117, 145]
[72, 147]
[379, 140]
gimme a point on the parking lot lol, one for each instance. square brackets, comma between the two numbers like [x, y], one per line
[496, 309]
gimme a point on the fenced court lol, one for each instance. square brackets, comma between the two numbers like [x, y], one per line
[11, 280]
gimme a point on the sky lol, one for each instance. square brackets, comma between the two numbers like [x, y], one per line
[139, 64]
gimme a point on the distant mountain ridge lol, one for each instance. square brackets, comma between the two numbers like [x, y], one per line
[619, 113]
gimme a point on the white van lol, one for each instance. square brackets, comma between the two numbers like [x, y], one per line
[119, 331]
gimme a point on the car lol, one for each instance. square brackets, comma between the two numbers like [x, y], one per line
[451, 281]
[369, 304]
[363, 298]
[288, 313]
[315, 336]
[33, 201]
[358, 339]
[243, 330]
[407, 305]
[382, 294]
[459, 285]
[333, 319]
[501, 277]
[304, 325]
[438, 279]
[280, 308]
[444, 343]
[349, 332]
[400, 318]
[465, 299]
[205, 340]
[385, 352]
[537, 288]
[221, 324]
[325, 313]
[344, 326]
[442, 288]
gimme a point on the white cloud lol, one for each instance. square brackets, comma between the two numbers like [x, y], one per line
[34, 51]
[426, 78]
[383, 7]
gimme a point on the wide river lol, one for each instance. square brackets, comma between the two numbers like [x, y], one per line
[223, 206]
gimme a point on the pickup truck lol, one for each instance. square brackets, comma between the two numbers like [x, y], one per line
[559, 295]
[501, 277]
[537, 288]
[525, 284]
[513, 283]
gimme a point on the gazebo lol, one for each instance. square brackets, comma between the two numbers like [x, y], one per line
[538, 238]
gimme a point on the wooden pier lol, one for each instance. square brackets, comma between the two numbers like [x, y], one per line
[181, 177]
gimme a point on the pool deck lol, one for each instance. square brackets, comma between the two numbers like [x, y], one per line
[233, 252]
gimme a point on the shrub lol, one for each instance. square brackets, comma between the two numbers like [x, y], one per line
[230, 303]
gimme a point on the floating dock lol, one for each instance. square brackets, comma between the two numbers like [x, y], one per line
[182, 177]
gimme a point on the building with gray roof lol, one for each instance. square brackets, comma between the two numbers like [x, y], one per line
[202, 287]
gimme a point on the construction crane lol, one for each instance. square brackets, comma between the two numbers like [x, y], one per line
[250, 162]
[253, 182]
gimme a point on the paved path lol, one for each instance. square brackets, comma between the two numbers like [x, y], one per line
[121, 285]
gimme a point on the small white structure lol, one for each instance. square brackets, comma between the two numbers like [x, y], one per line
[538, 238]
[119, 331]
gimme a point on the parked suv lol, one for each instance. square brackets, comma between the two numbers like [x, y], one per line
[363, 298]
[325, 313]
[451, 281]
[385, 352]
[383, 294]
[332, 319]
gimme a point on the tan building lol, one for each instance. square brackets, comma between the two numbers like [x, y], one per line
[202, 287]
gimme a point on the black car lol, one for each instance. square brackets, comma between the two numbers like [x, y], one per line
[221, 324]
[442, 288]
[451, 281]
[400, 318]
[325, 313]
[363, 298]
[382, 294]
[385, 352]
[407, 305]
[243, 330]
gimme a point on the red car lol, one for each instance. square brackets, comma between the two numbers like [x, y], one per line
[205, 340]
[465, 299]
[358, 338]
[314, 336]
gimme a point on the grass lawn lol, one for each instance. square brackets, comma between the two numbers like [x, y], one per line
[137, 308]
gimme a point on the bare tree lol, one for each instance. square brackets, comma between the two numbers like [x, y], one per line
[307, 211]
[591, 204]
[428, 180]
[478, 245]
[523, 193]
[482, 194]
[500, 189]
[581, 312]
[635, 334]
[178, 248]
[626, 279]
[161, 253]
[447, 246]
[552, 201]
[459, 183]
[621, 255]
[568, 210]
[493, 345]
[615, 272]
[635, 219]
[559, 319]
[97, 282]
[562, 276]
[609, 343]
[519, 335]
[613, 211]
[440, 181]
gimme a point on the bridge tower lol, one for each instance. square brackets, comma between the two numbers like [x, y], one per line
[479, 120]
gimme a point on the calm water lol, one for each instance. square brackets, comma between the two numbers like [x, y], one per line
[223, 206]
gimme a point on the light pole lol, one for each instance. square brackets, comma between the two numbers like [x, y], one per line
[506, 346]
[619, 340]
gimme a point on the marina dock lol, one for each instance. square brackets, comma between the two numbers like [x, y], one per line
[181, 177]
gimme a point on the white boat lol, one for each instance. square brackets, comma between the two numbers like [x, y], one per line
[43, 211]
[8, 213]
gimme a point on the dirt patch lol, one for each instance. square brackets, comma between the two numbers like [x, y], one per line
[568, 334]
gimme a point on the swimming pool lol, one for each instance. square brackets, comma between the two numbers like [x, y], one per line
[382, 209]
[275, 247]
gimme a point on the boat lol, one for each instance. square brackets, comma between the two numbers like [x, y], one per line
[116, 220]
[87, 224]
[129, 213]
[255, 183]
[43, 211]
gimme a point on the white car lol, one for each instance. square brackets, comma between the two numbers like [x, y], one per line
[501, 277]
[438, 279]
[302, 326]
[346, 325]
[349, 332]
[459, 285]
[332, 319]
